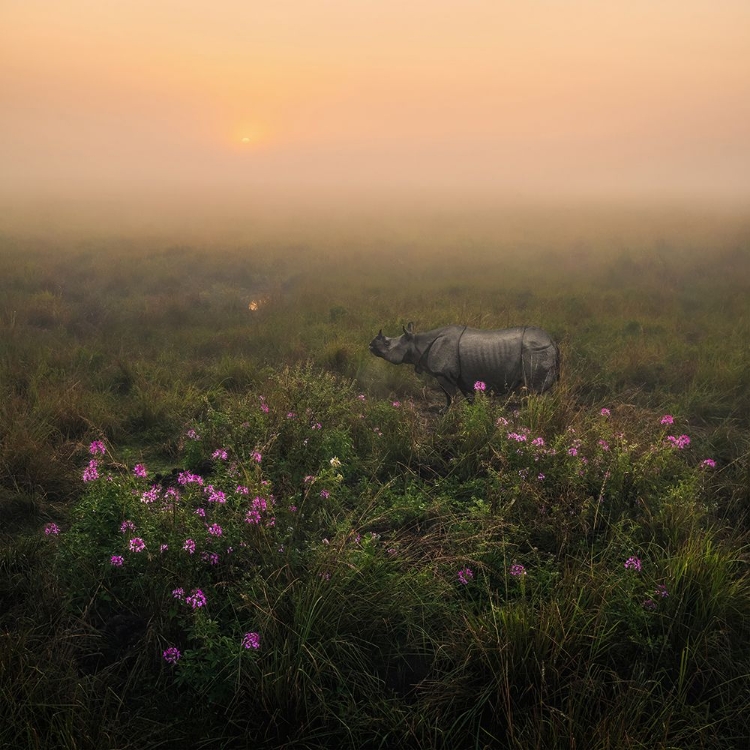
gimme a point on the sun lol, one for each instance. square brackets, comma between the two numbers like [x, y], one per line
[245, 139]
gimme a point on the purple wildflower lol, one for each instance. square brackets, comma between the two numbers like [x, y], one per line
[257, 457]
[325, 494]
[633, 563]
[127, 526]
[605, 412]
[667, 419]
[517, 570]
[178, 593]
[661, 591]
[97, 448]
[140, 470]
[172, 655]
[91, 472]
[197, 599]
[193, 435]
[215, 530]
[251, 640]
[116, 561]
[51, 529]
[480, 385]
[137, 544]
[465, 575]
[219, 453]
[185, 477]
[681, 442]
[709, 463]
[149, 496]
[396, 404]
[214, 495]
[189, 546]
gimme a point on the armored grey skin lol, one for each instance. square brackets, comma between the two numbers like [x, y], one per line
[458, 356]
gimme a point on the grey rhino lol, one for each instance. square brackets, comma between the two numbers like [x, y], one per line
[459, 356]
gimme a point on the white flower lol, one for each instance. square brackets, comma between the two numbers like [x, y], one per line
[335, 463]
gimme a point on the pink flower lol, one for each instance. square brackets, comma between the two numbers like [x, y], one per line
[517, 570]
[137, 544]
[150, 495]
[140, 470]
[197, 599]
[189, 546]
[116, 561]
[215, 530]
[605, 412]
[127, 526]
[395, 404]
[185, 477]
[51, 529]
[178, 593]
[172, 655]
[480, 385]
[193, 435]
[97, 448]
[325, 494]
[681, 442]
[667, 419]
[633, 563]
[709, 463]
[257, 457]
[91, 472]
[219, 453]
[465, 575]
[251, 640]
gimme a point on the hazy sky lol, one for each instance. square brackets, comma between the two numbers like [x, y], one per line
[521, 96]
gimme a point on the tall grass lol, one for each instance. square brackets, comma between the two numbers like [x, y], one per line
[522, 572]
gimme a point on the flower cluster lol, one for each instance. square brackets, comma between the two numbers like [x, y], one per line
[172, 655]
[251, 640]
[517, 570]
[91, 472]
[97, 448]
[196, 599]
[683, 441]
[465, 575]
[633, 563]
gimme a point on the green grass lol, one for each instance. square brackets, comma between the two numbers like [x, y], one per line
[372, 502]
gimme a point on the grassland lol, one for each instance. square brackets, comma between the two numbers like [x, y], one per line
[532, 572]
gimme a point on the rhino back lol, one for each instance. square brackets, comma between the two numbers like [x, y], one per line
[493, 357]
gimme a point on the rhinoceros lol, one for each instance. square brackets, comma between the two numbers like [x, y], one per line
[458, 356]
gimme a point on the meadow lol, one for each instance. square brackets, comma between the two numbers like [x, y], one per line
[225, 524]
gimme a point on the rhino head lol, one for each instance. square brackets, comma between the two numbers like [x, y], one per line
[397, 350]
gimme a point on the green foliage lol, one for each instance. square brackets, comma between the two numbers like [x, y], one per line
[547, 572]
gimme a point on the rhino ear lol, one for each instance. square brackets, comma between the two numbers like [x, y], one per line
[409, 330]
[380, 334]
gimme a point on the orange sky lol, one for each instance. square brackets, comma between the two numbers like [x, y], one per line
[523, 96]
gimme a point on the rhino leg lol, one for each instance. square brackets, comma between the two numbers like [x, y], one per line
[449, 389]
